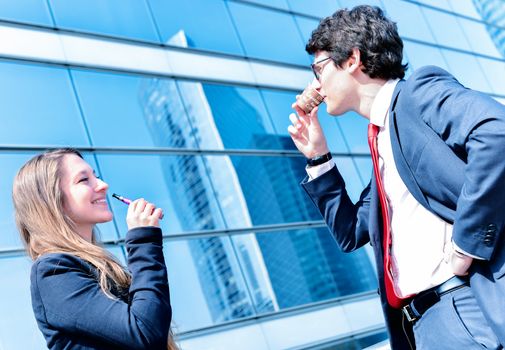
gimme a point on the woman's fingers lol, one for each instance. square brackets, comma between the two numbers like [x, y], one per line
[148, 209]
[142, 213]
[158, 213]
[139, 204]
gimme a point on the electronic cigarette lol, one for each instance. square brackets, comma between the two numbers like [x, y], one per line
[127, 201]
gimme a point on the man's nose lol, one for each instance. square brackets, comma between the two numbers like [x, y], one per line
[315, 84]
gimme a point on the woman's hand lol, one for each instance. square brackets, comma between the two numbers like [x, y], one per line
[142, 213]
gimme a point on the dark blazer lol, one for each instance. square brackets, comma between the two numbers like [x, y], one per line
[73, 312]
[448, 144]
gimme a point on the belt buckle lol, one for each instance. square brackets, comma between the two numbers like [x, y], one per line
[409, 313]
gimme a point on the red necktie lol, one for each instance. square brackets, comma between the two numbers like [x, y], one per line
[393, 299]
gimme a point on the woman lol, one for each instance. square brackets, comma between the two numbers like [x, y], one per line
[81, 296]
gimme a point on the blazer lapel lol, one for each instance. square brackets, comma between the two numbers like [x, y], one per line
[401, 163]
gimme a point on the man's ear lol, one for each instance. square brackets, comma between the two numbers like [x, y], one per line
[354, 62]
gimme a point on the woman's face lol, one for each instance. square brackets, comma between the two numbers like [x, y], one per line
[84, 195]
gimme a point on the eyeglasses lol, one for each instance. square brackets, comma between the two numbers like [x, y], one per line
[317, 69]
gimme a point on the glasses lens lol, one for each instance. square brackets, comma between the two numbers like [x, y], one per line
[316, 67]
[314, 70]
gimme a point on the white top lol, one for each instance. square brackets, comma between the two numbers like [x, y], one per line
[421, 240]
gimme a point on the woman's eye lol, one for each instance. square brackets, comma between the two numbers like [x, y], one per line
[84, 179]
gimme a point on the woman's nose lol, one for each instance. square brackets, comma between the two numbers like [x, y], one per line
[101, 185]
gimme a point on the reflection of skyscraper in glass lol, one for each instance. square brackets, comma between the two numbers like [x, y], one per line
[493, 11]
[304, 266]
[289, 268]
[189, 187]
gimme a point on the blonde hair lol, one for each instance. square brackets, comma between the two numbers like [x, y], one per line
[45, 228]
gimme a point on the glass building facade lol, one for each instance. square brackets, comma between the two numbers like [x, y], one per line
[186, 104]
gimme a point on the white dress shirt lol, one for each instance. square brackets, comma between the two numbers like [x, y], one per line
[421, 240]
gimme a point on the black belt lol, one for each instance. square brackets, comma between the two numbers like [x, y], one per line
[426, 299]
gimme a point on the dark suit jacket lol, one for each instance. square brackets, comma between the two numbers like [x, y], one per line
[448, 145]
[73, 313]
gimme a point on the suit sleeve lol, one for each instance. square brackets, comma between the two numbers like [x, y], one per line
[74, 302]
[348, 222]
[473, 125]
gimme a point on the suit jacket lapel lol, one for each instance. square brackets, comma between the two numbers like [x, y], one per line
[400, 161]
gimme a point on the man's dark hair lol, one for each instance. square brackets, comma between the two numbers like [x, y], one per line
[367, 29]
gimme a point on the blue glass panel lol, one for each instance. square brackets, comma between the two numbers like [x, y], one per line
[262, 190]
[441, 4]
[123, 18]
[281, 4]
[279, 106]
[31, 11]
[178, 184]
[352, 3]
[10, 164]
[306, 27]
[411, 22]
[467, 70]
[491, 12]
[320, 8]
[354, 128]
[364, 166]
[479, 38]
[123, 110]
[354, 182]
[18, 328]
[464, 7]
[446, 29]
[277, 38]
[423, 55]
[118, 252]
[494, 71]
[306, 266]
[206, 285]
[258, 279]
[42, 98]
[201, 23]
[496, 32]
[226, 116]
[378, 340]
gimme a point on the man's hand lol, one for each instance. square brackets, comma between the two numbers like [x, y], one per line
[307, 133]
[460, 263]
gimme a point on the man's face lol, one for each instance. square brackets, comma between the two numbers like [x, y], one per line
[334, 83]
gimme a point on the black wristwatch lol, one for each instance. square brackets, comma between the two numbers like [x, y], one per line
[319, 159]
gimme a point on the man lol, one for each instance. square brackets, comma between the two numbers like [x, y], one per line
[433, 211]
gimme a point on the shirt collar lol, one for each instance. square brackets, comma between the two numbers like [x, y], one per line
[381, 103]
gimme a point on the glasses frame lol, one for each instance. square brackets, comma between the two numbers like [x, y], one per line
[317, 70]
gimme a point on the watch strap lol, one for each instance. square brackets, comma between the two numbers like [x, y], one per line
[319, 159]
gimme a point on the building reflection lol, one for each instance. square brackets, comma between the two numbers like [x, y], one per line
[493, 11]
[280, 270]
[191, 192]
